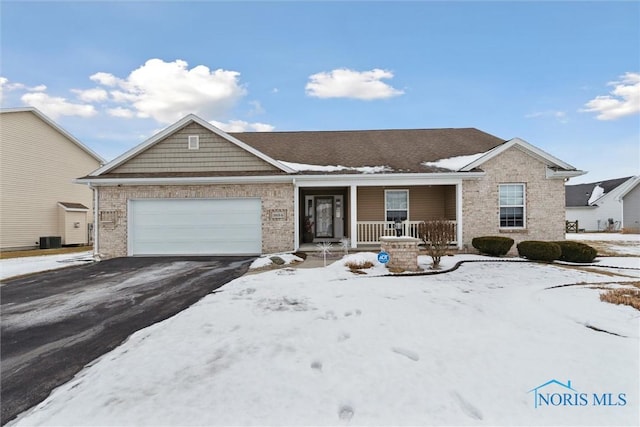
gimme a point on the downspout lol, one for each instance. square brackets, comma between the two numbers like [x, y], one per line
[95, 220]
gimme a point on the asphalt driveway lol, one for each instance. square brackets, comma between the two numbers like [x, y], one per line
[55, 323]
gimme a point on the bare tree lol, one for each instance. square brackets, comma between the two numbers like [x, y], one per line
[437, 235]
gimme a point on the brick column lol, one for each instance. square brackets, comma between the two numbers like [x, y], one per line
[403, 253]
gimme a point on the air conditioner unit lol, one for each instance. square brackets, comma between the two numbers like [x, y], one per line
[50, 242]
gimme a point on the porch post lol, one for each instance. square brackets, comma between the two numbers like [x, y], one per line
[353, 215]
[459, 214]
[296, 216]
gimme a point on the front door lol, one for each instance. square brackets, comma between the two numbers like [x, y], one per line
[324, 216]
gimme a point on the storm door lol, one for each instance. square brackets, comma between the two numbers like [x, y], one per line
[324, 216]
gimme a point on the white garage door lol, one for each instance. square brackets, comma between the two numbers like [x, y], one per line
[195, 227]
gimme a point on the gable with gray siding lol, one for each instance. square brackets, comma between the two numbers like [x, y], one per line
[215, 154]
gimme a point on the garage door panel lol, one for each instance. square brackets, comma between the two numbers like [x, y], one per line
[195, 227]
[175, 247]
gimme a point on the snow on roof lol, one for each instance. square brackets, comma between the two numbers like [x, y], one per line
[454, 163]
[319, 168]
[596, 194]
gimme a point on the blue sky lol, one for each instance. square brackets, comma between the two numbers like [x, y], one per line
[564, 76]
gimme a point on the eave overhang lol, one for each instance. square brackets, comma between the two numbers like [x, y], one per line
[302, 180]
[563, 174]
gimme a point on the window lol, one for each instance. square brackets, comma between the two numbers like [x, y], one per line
[512, 205]
[396, 205]
[194, 142]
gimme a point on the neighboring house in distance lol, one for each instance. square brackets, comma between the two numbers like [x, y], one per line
[39, 161]
[605, 205]
[194, 189]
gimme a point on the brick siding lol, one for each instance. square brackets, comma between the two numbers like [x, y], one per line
[277, 235]
[544, 210]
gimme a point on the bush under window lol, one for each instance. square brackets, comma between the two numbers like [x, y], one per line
[576, 251]
[492, 245]
[539, 251]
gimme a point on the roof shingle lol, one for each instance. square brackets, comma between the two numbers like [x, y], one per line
[579, 194]
[401, 150]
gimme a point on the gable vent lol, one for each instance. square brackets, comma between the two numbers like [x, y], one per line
[194, 142]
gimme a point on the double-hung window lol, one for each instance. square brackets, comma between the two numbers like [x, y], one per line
[396, 205]
[512, 205]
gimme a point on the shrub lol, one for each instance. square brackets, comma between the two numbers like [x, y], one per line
[576, 251]
[438, 235]
[356, 267]
[492, 245]
[539, 251]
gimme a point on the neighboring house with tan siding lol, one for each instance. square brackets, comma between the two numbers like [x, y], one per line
[609, 205]
[39, 162]
[194, 189]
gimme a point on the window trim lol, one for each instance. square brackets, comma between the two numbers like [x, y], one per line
[195, 139]
[406, 191]
[523, 206]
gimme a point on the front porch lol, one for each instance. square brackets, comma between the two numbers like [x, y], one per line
[365, 213]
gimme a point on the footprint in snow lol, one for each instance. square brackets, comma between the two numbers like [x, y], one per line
[245, 293]
[344, 336]
[467, 407]
[406, 353]
[350, 313]
[328, 315]
[345, 412]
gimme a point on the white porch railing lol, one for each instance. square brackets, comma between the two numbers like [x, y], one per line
[369, 232]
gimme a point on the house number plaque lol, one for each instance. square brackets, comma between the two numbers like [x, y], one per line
[278, 214]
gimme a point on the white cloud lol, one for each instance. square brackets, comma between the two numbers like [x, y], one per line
[121, 112]
[560, 116]
[345, 83]
[242, 126]
[3, 83]
[105, 79]
[167, 91]
[55, 107]
[5, 86]
[123, 97]
[623, 100]
[256, 108]
[91, 95]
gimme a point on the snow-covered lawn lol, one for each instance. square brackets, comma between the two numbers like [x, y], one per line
[604, 237]
[618, 243]
[327, 347]
[18, 266]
